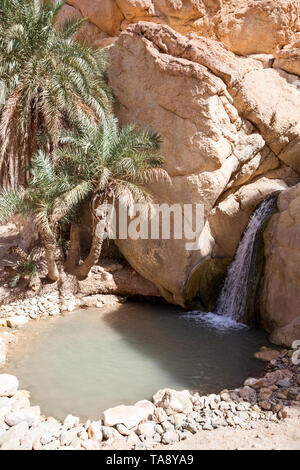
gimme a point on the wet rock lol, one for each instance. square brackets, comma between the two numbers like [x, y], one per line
[269, 379]
[250, 382]
[294, 393]
[282, 394]
[265, 405]
[248, 394]
[284, 383]
[267, 355]
[8, 385]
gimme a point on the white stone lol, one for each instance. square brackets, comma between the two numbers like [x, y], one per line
[123, 430]
[170, 437]
[130, 416]
[71, 421]
[148, 428]
[30, 415]
[147, 406]
[94, 431]
[11, 444]
[17, 321]
[15, 432]
[8, 385]
[173, 401]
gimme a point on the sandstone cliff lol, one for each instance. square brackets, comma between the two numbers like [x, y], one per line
[230, 130]
[280, 302]
[245, 26]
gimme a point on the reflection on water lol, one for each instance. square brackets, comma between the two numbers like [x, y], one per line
[93, 359]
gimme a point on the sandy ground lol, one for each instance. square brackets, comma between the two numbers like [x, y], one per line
[284, 435]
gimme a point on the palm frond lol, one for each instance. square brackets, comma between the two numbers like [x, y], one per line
[10, 202]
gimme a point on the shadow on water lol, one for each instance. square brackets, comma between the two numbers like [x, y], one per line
[196, 354]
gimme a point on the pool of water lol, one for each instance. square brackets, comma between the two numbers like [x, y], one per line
[90, 360]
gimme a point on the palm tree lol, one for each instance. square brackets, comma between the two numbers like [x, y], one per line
[100, 163]
[114, 163]
[49, 196]
[50, 81]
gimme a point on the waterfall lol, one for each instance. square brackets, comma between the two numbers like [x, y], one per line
[233, 298]
[232, 301]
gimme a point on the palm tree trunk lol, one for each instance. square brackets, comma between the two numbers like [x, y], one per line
[73, 256]
[97, 241]
[50, 249]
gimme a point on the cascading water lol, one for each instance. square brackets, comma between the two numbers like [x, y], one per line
[232, 301]
[233, 298]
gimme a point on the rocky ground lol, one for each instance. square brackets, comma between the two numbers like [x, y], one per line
[264, 413]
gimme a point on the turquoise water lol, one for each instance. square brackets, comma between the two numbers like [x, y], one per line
[90, 360]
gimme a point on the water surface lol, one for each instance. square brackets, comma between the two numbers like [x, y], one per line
[90, 360]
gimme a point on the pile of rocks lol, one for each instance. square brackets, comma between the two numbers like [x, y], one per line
[19, 312]
[280, 386]
[170, 417]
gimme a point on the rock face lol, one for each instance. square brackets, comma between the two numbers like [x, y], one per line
[230, 132]
[281, 291]
[245, 26]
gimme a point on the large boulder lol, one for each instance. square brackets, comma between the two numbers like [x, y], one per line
[230, 133]
[245, 26]
[130, 416]
[8, 385]
[281, 291]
